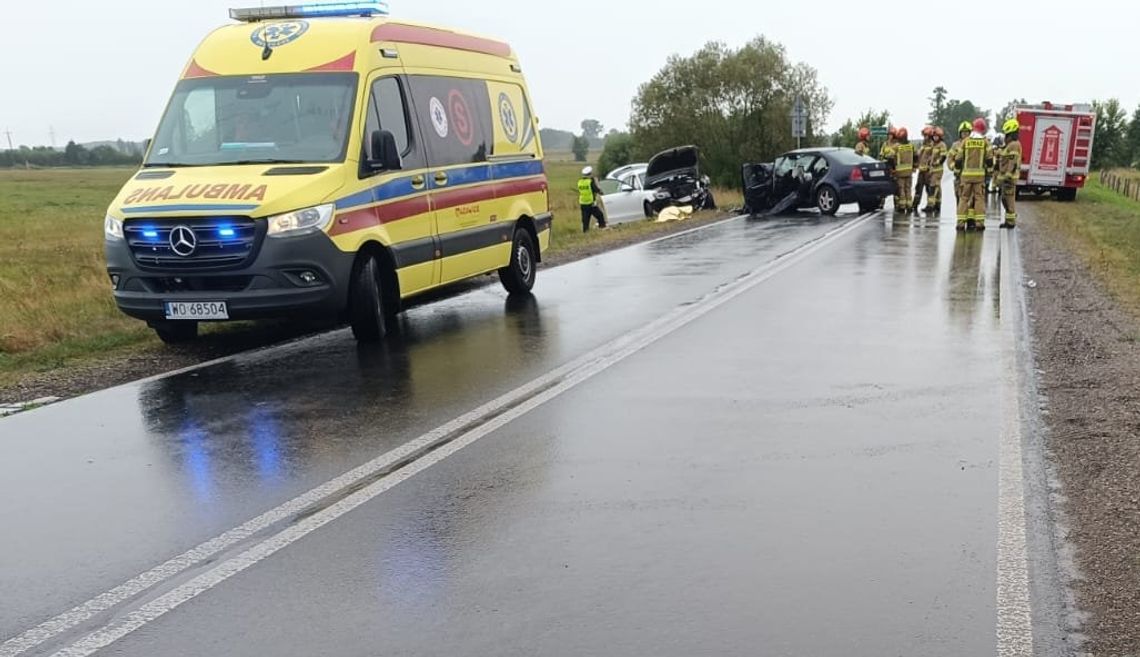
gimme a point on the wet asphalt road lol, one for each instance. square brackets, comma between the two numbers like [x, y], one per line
[808, 468]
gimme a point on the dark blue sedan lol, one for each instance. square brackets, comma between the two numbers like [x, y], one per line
[821, 178]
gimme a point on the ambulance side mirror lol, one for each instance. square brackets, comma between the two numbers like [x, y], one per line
[384, 154]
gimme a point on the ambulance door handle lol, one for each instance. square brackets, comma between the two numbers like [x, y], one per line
[440, 178]
[418, 182]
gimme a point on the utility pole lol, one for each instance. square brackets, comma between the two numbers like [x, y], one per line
[8, 133]
[51, 135]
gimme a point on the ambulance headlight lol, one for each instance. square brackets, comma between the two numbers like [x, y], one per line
[300, 222]
[112, 228]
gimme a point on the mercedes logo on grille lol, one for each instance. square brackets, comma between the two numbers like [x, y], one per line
[183, 241]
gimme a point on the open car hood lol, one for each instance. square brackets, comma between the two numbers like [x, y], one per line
[680, 161]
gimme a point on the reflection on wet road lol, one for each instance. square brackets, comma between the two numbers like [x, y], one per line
[809, 466]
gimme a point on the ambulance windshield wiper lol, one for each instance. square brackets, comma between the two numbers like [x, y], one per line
[266, 160]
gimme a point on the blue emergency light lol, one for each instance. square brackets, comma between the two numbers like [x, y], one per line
[312, 10]
[226, 232]
[150, 234]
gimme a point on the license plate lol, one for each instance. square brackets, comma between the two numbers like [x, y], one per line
[197, 310]
[877, 174]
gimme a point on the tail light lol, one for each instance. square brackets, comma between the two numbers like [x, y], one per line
[856, 174]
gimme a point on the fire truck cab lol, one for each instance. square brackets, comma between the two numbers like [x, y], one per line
[1056, 142]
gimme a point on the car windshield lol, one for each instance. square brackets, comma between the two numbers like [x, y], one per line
[262, 118]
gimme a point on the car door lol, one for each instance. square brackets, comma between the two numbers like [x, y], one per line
[455, 118]
[617, 199]
[404, 208]
[818, 170]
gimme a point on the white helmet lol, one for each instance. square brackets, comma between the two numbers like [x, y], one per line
[588, 171]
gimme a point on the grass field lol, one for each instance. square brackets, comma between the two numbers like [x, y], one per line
[56, 303]
[1102, 227]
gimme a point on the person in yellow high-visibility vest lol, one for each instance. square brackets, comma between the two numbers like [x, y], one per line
[900, 159]
[1009, 171]
[588, 196]
[934, 178]
[975, 159]
[955, 154]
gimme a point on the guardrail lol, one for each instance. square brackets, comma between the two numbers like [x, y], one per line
[1126, 182]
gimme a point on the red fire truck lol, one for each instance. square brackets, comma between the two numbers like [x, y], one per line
[1056, 142]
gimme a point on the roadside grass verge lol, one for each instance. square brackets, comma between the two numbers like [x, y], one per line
[1103, 228]
[56, 309]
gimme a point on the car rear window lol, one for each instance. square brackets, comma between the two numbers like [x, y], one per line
[850, 157]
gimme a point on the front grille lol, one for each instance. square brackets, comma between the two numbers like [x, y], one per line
[221, 242]
[160, 284]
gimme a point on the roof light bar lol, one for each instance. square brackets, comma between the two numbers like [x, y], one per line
[312, 10]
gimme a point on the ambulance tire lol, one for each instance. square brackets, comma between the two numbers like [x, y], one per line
[171, 332]
[365, 307]
[518, 276]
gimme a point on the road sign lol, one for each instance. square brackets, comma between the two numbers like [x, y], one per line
[879, 131]
[799, 118]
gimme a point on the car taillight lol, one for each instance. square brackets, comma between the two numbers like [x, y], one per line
[856, 174]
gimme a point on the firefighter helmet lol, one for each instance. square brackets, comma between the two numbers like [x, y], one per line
[939, 132]
[864, 134]
[964, 126]
[1011, 126]
[980, 125]
[901, 134]
[893, 131]
[928, 131]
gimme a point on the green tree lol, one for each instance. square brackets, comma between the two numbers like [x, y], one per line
[592, 128]
[938, 105]
[949, 113]
[1133, 139]
[617, 152]
[1008, 112]
[1110, 147]
[735, 104]
[74, 154]
[581, 148]
[848, 134]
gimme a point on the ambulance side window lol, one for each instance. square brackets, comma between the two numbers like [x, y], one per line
[388, 110]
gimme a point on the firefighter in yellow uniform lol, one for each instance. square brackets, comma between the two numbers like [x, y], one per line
[922, 181]
[1009, 171]
[976, 158]
[938, 154]
[955, 155]
[886, 151]
[900, 158]
[864, 145]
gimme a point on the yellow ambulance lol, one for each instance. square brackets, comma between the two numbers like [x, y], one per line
[327, 160]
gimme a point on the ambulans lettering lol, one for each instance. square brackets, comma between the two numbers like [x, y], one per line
[226, 191]
[216, 191]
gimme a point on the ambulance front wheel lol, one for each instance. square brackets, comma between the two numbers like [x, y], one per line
[518, 276]
[171, 332]
[366, 307]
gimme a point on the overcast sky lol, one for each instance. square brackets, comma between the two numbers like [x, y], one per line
[102, 69]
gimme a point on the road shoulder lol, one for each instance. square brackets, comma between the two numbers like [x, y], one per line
[1088, 355]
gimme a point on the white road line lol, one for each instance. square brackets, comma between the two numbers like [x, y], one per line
[124, 592]
[1014, 614]
[509, 407]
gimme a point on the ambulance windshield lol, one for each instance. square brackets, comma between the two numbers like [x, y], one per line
[254, 119]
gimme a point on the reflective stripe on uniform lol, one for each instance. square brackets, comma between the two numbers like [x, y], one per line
[974, 158]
